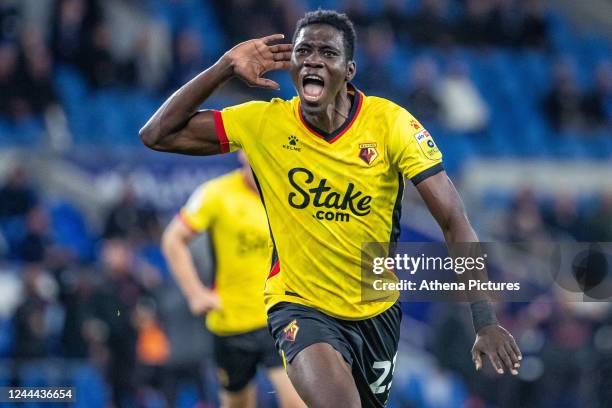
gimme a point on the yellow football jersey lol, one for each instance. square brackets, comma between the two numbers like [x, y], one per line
[233, 214]
[327, 194]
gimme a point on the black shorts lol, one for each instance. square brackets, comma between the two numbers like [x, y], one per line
[238, 356]
[369, 346]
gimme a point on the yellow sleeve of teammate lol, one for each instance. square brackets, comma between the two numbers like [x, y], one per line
[236, 124]
[199, 211]
[412, 149]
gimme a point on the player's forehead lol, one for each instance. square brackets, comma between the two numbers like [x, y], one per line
[319, 35]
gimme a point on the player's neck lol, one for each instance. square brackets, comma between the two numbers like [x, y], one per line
[334, 116]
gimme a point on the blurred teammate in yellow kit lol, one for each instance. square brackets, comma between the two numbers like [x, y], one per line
[230, 209]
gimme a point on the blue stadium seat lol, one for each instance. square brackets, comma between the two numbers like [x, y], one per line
[70, 230]
[599, 146]
[6, 133]
[572, 145]
[90, 387]
[6, 341]
[153, 255]
[533, 68]
[28, 132]
[33, 375]
[498, 199]
[70, 85]
[13, 230]
[564, 40]
[333, 4]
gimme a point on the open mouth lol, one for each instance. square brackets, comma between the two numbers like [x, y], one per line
[313, 87]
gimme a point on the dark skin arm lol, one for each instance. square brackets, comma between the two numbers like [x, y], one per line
[446, 206]
[179, 127]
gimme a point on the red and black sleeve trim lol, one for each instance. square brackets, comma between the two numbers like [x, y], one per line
[221, 134]
[186, 223]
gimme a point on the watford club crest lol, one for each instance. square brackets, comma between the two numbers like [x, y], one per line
[368, 152]
[291, 330]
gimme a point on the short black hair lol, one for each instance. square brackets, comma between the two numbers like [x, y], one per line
[339, 21]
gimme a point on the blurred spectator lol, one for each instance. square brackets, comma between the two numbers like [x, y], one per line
[34, 247]
[81, 331]
[154, 56]
[130, 219]
[562, 104]
[524, 222]
[380, 52]
[567, 360]
[9, 21]
[31, 328]
[394, 16]
[285, 14]
[358, 13]
[597, 104]
[507, 16]
[11, 100]
[117, 298]
[188, 341]
[463, 108]
[563, 220]
[534, 25]
[422, 99]
[480, 24]
[152, 348]
[431, 24]
[232, 14]
[599, 223]
[17, 197]
[37, 80]
[72, 24]
[101, 68]
[188, 59]
[264, 18]
[449, 323]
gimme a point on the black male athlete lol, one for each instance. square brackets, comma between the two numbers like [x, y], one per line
[330, 165]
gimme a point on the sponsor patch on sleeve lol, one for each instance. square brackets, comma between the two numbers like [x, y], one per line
[427, 145]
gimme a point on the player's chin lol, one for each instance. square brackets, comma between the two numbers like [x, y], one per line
[313, 103]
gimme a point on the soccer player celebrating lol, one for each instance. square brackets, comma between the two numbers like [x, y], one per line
[229, 208]
[330, 166]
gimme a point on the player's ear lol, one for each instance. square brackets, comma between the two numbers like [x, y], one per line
[351, 69]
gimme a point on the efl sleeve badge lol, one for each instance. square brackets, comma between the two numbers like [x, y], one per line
[427, 145]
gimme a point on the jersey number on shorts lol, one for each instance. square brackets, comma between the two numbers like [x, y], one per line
[377, 386]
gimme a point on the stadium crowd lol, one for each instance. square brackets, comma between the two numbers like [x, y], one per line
[108, 300]
[428, 56]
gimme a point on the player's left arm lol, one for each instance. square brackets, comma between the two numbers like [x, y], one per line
[492, 340]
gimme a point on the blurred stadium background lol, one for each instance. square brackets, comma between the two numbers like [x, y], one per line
[518, 94]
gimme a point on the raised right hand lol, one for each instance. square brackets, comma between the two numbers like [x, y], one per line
[252, 59]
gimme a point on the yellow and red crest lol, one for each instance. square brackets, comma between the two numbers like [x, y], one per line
[291, 330]
[368, 152]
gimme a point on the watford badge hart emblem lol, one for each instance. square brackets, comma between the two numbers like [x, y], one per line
[368, 152]
[290, 331]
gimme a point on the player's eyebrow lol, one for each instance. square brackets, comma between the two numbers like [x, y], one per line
[317, 44]
[330, 47]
